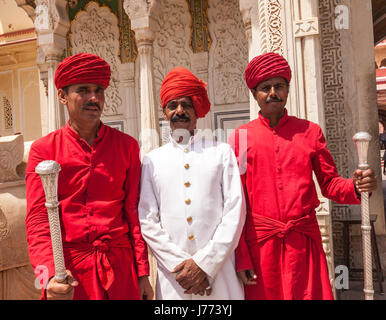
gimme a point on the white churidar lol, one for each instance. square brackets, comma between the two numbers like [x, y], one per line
[192, 206]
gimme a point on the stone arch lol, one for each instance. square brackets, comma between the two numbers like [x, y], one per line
[28, 6]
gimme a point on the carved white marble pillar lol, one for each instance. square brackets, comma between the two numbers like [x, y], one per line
[55, 109]
[248, 9]
[149, 110]
[51, 24]
[304, 54]
[355, 26]
[142, 15]
[128, 95]
[43, 85]
[308, 57]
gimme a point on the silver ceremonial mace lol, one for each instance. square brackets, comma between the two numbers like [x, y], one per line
[362, 140]
[48, 171]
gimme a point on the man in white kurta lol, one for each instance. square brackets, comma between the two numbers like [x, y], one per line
[191, 203]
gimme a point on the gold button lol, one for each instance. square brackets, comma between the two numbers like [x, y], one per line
[187, 184]
[189, 219]
[186, 150]
[187, 201]
[191, 237]
[187, 166]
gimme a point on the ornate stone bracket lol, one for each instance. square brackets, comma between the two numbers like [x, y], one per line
[306, 27]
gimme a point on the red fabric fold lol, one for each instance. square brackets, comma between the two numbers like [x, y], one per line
[266, 227]
[77, 252]
[265, 66]
[82, 68]
[180, 82]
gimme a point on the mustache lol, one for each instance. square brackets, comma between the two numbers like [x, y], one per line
[182, 117]
[269, 100]
[92, 104]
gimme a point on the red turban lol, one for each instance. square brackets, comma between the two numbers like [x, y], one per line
[265, 66]
[82, 68]
[179, 83]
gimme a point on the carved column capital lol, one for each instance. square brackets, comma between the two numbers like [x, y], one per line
[51, 17]
[138, 9]
[306, 27]
[246, 7]
[144, 38]
[51, 24]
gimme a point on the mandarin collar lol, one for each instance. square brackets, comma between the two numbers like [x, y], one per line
[73, 133]
[194, 139]
[282, 120]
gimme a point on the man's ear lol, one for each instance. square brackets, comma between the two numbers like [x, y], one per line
[62, 95]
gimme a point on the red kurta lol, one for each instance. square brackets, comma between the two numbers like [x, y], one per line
[98, 191]
[281, 239]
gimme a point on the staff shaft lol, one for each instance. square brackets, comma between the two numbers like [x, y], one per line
[362, 140]
[49, 171]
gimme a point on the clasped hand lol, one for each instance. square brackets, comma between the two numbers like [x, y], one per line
[191, 277]
[364, 181]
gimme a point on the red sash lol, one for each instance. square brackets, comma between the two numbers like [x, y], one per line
[266, 227]
[76, 252]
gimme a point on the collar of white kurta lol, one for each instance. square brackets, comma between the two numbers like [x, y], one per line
[194, 142]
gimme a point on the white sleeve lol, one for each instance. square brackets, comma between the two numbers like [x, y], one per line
[226, 237]
[167, 253]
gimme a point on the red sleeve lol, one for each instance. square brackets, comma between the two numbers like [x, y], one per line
[131, 212]
[331, 184]
[37, 226]
[242, 256]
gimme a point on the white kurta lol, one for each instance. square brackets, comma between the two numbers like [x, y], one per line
[192, 206]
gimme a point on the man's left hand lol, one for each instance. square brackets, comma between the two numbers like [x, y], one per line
[145, 288]
[190, 276]
[364, 181]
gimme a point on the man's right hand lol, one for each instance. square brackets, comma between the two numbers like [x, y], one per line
[203, 288]
[61, 290]
[248, 277]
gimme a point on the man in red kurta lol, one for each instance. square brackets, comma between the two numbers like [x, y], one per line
[98, 191]
[280, 253]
